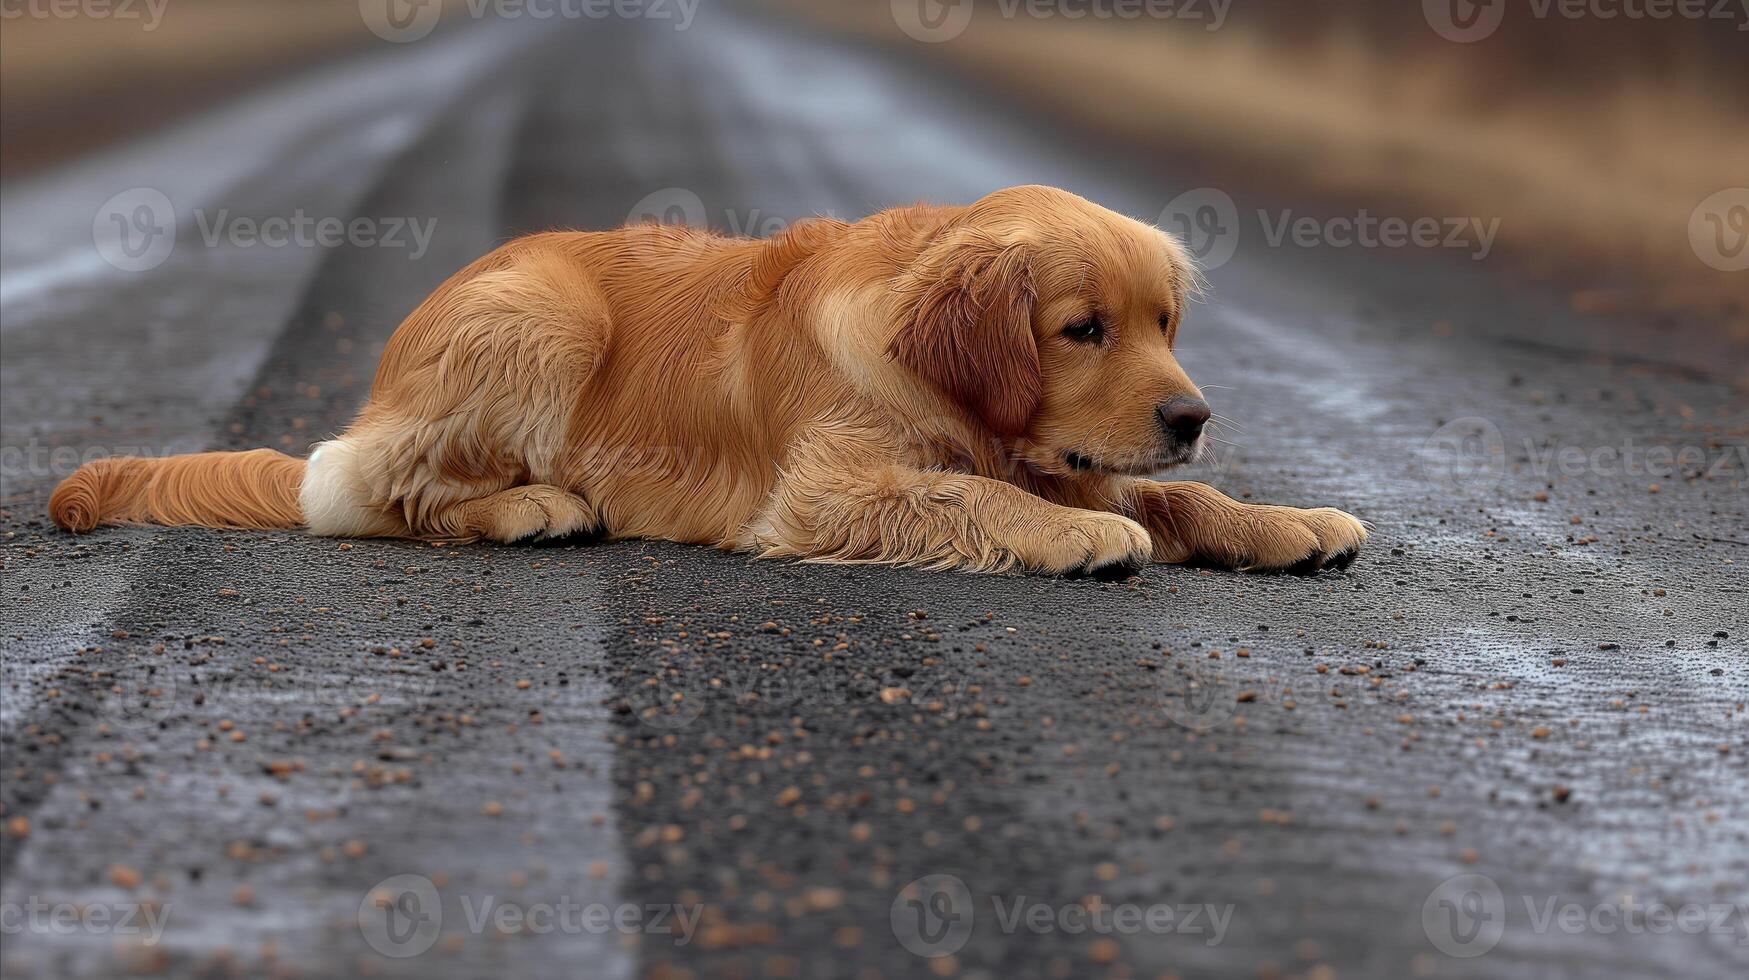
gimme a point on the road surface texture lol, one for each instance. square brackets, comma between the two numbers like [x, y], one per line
[266, 754]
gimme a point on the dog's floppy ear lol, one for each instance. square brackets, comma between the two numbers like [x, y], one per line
[966, 326]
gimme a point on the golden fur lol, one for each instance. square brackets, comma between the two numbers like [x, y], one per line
[896, 390]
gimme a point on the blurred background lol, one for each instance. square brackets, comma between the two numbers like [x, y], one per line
[1593, 130]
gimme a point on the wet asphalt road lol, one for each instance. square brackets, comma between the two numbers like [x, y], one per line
[265, 754]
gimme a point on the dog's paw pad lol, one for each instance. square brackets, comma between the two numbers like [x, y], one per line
[1110, 571]
[569, 539]
[1341, 560]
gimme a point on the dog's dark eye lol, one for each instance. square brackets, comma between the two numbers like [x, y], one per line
[1086, 331]
[1166, 322]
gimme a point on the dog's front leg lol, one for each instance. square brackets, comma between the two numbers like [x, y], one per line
[893, 514]
[1194, 522]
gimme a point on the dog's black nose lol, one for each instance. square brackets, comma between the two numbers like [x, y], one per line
[1182, 418]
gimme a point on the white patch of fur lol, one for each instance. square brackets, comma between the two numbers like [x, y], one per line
[333, 495]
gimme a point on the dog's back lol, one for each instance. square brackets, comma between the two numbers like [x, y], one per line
[618, 360]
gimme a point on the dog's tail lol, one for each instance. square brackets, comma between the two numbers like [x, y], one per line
[257, 489]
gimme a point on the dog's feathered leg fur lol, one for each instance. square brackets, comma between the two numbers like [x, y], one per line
[1195, 523]
[839, 501]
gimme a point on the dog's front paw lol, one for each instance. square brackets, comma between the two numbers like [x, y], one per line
[1104, 546]
[1288, 539]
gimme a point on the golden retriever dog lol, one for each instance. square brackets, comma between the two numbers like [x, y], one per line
[982, 387]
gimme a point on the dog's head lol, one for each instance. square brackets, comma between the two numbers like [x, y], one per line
[1052, 321]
